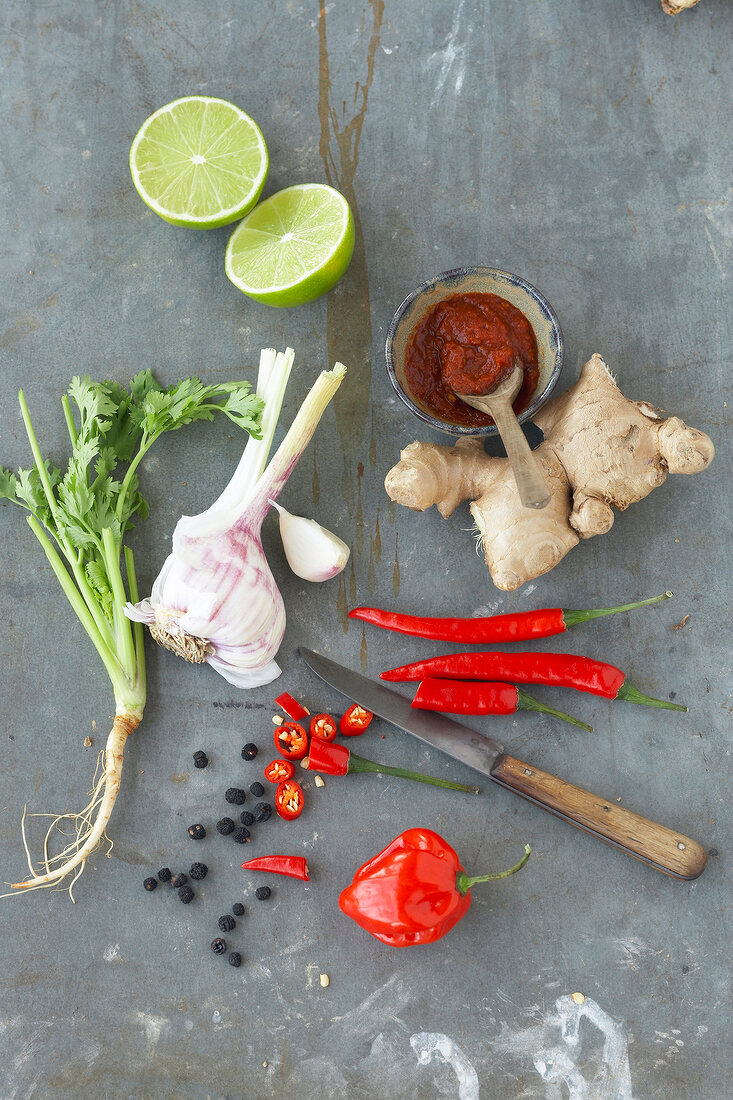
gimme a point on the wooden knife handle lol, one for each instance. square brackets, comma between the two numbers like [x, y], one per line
[662, 848]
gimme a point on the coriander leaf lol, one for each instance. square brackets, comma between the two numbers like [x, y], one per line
[29, 490]
[96, 574]
[245, 409]
[9, 486]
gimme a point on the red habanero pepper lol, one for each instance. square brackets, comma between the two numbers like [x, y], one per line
[334, 759]
[323, 726]
[293, 866]
[292, 707]
[291, 741]
[279, 770]
[555, 669]
[289, 800]
[514, 627]
[414, 891]
[469, 697]
[355, 721]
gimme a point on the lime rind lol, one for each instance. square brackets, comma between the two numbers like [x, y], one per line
[199, 162]
[293, 247]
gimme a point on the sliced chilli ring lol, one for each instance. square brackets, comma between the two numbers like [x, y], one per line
[277, 771]
[289, 800]
[291, 741]
[323, 726]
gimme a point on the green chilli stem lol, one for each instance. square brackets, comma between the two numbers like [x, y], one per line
[528, 702]
[360, 764]
[464, 882]
[572, 618]
[631, 694]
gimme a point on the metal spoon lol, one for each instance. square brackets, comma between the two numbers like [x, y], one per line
[532, 487]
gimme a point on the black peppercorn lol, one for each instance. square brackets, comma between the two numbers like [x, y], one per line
[150, 884]
[164, 874]
[226, 923]
[235, 959]
[196, 832]
[186, 894]
[257, 789]
[249, 751]
[262, 893]
[241, 835]
[262, 811]
[247, 818]
[200, 759]
[238, 909]
[218, 946]
[179, 880]
[198, 870]
[235, 795]
[225, 826]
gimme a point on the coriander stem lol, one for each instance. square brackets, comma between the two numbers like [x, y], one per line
[142, 451]
[91, 603]
[69, 417]
[37, 456]
[123, 626]
[85, 617]
[137, 628]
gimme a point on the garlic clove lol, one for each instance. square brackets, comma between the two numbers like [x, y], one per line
[313, 553]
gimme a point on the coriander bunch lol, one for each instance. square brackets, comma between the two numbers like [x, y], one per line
[81, 519]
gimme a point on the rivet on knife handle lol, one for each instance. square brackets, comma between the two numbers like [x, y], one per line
[663, 848]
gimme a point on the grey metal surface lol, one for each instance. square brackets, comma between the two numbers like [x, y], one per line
[584, 146]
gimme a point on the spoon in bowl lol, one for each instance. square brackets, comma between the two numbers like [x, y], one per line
[532, 487]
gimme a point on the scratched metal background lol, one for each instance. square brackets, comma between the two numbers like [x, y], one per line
[585, 145]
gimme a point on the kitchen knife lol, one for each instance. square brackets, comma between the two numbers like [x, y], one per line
[664, 849]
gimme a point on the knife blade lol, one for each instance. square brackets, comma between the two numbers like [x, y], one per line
[664, 849]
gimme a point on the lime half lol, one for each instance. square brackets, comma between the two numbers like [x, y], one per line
[293, 247]
[199, 162]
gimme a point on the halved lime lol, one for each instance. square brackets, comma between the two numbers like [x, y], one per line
[199, 162]
[293, 247]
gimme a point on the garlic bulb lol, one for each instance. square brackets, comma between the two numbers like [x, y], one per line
[215, 599]
[313, 553]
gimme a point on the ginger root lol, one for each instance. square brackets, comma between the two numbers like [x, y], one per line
[673, 7]
[600, 451]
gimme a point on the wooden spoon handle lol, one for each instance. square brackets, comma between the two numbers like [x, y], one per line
[532, 487]
[670, 852]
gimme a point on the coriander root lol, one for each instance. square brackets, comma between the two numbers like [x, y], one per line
[89, 825]
[600, 451]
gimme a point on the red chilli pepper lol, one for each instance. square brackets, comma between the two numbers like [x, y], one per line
[289, 800]
[496, 628]
[292, 866]
[277, 771]
[355, 721]
[555, 669]
[467, 697]
[335, 759]
[291, 706]
[323, 726]
[291, 741]
[414, 891]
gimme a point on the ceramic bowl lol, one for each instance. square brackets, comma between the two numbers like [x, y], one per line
[467, 280]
